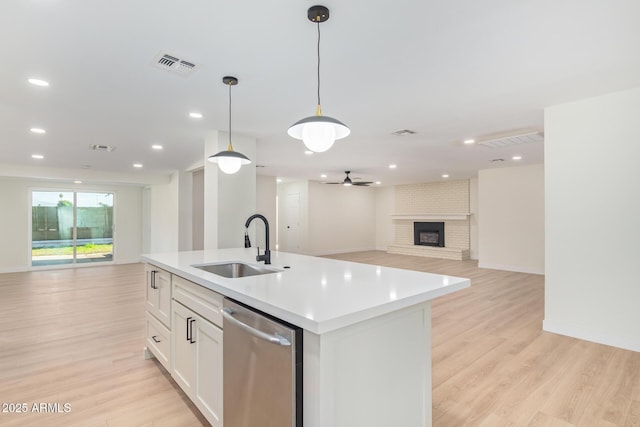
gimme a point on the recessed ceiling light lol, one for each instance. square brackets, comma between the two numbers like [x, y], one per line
[324, 175]
[516, 158]
[37, 156]
[278, 180]
[195, 115]
[308, 152]
[378, 182]
[469, 141]
[445, 175]
[393, 166]
[38, 82]
[137, 165]
[157, 147]
[38, 130]
[77, 182]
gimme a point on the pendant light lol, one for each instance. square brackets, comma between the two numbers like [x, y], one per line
[318, 132]
[229, 161]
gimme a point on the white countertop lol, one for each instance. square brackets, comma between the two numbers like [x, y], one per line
[317, 294]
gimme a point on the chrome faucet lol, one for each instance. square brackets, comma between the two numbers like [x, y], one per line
[266, 257]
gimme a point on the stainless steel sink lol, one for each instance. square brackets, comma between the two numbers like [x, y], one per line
[236, 269]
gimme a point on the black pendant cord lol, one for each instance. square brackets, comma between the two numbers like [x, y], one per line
[318, 23]
[229, 115]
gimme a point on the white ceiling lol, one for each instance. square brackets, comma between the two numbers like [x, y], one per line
[449, 70]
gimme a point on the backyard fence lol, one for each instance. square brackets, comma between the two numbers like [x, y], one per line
[56, 222]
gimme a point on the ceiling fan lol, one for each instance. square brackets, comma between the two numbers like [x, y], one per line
[348, 181]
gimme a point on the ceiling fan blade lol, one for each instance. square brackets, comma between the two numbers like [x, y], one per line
[350, 181]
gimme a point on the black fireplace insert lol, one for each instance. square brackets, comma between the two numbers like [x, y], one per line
[428, 234]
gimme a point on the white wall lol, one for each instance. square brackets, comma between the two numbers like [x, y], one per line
[185, 211]
[266, 197]
[164, 216]
[14, 225]
[236, 194]
[592, 286]
[197, 232]
[385, 204]
[474, 233]
[128, 223]
[228, 199]
[210, 226]
[341, 219]
[511, 221]
[16, 211]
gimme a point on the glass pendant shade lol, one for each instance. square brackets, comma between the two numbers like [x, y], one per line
[229, 165]
[229, 161]
[318, 132]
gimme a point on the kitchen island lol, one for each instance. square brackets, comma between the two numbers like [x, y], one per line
[366, 339]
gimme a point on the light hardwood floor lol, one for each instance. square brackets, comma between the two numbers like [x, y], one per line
[494, 366]
[76, 336]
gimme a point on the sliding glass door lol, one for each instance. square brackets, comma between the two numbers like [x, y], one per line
[71, 227]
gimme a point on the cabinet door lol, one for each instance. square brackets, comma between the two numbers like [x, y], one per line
[150, 289]
[158, 294]
[163, 289]
[184, 351]
[208, 392]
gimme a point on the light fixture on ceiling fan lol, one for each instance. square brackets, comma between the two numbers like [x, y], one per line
[318, 132]
[347, 182]
[229, 161]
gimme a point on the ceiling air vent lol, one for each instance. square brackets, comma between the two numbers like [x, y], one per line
[97, 147]
[507, 140]
[174, 64]
[403, 132]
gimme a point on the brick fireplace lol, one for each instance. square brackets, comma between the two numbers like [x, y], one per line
[446, 203]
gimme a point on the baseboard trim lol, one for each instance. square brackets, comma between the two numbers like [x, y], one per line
[14, 270]
[339, 251]
[129, 261]
[65, 266]
[510, 268]
[613, 341]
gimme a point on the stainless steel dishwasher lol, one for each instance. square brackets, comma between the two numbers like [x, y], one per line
[262, 359]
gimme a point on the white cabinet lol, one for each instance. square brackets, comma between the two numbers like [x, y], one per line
[158, 315]
[158, 340]
[158, 294]
[184, 350]
[197, 347]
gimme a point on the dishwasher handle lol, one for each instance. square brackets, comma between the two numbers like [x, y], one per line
[227, 313]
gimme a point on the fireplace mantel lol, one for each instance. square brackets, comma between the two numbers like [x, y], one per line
[431, 217]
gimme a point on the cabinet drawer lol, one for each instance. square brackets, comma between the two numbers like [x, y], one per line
[158, 341]
[203, 301]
